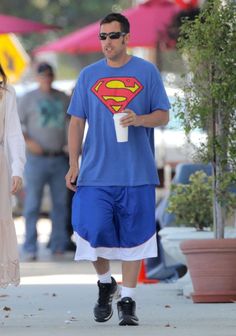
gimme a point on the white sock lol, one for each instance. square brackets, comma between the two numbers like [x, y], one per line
[105, 278]
[128, 292]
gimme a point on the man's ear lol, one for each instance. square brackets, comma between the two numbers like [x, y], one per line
[127, 38]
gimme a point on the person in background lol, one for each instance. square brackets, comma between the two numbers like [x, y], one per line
[113, 212]
[12, 161]
[43, 118]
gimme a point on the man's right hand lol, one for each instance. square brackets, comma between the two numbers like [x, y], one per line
[34, 147]
[71, 177]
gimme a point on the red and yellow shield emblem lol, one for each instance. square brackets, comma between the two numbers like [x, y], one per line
[116, 92]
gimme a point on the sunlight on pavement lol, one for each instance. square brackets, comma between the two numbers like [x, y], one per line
[43, 227]
[63, 279]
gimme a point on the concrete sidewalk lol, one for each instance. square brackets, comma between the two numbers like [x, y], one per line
[57, 296]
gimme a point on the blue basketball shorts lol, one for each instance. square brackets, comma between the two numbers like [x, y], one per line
[114, 222]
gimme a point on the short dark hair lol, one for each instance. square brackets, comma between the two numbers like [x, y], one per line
[44, 66]
[124, 22]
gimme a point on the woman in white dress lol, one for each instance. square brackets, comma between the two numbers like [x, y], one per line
[12, 160]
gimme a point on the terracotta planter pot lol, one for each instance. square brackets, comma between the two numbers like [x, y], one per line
[212, 267]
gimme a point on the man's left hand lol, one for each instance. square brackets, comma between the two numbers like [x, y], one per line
[132, 119]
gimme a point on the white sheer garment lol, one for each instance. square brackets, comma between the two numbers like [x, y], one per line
[9, 259]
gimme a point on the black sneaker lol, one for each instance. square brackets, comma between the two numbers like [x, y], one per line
[103, 308]
[126, 312]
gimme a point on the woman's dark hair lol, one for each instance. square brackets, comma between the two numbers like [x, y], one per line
[4, 77]
[124, 23]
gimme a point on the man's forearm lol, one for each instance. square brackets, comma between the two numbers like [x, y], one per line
[75, 139]
[32, 146]
[154, 119]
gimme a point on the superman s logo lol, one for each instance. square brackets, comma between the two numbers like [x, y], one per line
[116, 92]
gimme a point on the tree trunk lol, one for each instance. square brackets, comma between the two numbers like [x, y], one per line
[218, 210]
[220, 135]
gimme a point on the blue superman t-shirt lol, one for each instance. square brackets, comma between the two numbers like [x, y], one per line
[100, 92]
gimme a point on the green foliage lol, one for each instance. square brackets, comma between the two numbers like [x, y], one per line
[192, 203]
[208, 44]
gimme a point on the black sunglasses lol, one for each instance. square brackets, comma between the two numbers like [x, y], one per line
[111, 35]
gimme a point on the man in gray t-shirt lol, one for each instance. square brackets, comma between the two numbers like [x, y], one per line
[43, 118]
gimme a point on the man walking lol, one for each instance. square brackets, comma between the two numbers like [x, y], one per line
[113, 212]
[43, 118]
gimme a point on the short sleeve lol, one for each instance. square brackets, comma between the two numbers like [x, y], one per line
[159, 98]
[77, 102]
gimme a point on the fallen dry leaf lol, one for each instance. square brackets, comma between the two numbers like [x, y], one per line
[29, 315]
[73, 318]
[6, 308]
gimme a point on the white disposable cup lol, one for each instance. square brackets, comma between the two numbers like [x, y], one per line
[121, 132]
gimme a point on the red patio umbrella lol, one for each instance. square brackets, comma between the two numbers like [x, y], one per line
[149, 22]
[13, 24]
[187, 4]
